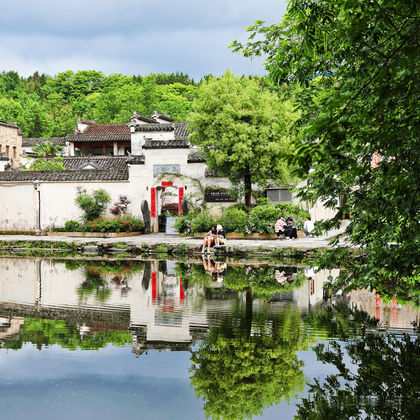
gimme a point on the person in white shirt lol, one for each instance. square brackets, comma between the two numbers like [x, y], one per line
[308, 226]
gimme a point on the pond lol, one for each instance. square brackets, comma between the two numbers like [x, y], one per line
[164, 339]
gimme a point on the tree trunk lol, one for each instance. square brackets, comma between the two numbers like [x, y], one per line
[248, 191]
[248, 311]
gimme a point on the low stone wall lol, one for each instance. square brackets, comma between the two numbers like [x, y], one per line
[95, 234]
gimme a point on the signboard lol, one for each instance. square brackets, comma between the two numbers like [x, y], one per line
[166, 169]
[166, 183]
[218, 196]
[170, 228]
[153, 202]
[181, 196]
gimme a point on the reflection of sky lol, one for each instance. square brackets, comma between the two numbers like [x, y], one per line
[108, 384]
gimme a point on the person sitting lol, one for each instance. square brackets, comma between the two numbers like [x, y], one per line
[220, 238]
[279, 226]
[308, 226]
[209, 239]
[289, 230]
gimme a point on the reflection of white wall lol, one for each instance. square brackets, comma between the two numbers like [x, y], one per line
[312, 292]
[18, 281]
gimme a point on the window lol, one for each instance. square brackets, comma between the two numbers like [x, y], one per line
[7, 151]
[14, 152]
[1, 149]
[279, 195]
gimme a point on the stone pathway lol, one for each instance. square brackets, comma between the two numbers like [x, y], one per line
[152, 240]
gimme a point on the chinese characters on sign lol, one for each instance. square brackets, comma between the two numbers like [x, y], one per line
[215, 196]
[153, 202]
[166, 169]
[181, 196]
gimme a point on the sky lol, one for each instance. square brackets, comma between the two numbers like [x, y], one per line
[130, 36]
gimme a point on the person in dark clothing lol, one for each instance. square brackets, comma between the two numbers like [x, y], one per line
[289, 230]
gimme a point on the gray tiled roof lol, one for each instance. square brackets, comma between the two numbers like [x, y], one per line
[136, 159]
[92, 138]
[99, 162]
[3, 157]
[166, 144]
[155, 127]
[165, 117]
[181, 131]
[194, 157]
[62, 176]
[33, 141]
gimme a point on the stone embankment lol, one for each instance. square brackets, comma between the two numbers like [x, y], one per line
[157, 243]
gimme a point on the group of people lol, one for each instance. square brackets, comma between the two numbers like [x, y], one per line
[215, 237]
[286, 227]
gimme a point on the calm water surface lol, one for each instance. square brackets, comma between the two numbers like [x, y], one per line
[166, 340]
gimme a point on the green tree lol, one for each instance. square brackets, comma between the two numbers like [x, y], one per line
[383, 381]
[43, 164]
[242, 131]
[238, 374]
[93, 205]
[364, 105]
[48, 149]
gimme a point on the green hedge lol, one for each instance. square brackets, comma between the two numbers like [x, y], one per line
[103, 224]
[261, 219]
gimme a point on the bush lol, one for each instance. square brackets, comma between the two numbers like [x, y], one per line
[202, 222]
[183, 223]
[262, 218]
[71, 226]
[119, 224]
[194, 222]
[234, 220]
[93, 205]
[295, 212]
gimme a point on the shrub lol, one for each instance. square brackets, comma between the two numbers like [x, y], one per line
[262, 218]
[183, 223]
[93, 205]
[121, 205]
[234, 220]
[202, 222]
[295, 212]
[119, 224]
[71, 226]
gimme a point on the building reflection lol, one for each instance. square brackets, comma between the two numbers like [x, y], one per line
[164, 305]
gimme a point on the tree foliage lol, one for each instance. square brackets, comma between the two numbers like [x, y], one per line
[45, 106]
[242, 130]
[239, 375]
[383, 380]
[355, 66]
[94, 204]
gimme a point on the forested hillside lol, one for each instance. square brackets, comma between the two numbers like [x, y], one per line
[46, 106]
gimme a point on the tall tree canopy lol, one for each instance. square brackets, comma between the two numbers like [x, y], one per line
[242, 130]
[359, 130]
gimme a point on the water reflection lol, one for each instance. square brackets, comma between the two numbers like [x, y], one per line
[244, 325]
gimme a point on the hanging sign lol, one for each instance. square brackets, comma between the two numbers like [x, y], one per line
[181, 196]
[167, 184]
[153, 202]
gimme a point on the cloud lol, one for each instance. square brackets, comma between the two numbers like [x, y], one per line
[129, 36]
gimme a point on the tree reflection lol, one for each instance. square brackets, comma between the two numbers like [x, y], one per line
[243, 368]
[383, 381]
[46, 332]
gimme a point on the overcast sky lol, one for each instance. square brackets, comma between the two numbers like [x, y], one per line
[130, 36]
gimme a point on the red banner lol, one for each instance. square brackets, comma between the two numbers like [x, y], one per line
[167, 184]
[181, 290]
[153, 202]
[181, 196]
[154, 287]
